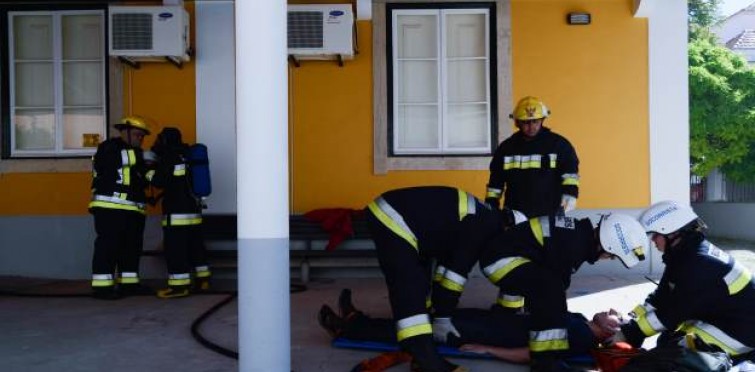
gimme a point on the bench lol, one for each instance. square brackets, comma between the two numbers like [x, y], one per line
[308, 241]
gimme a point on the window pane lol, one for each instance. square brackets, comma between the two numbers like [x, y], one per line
[467, 126]
[417, 127]
[417, 36]
[82, 84]
[82, 37]
[465, 35]
[417, 82]
[32, 37]
[34, 129]
[33, 84]
[466, 81]
[84, 128]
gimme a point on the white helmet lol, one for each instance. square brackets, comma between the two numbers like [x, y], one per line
[519, 217]
[623, 237]
[667, 217]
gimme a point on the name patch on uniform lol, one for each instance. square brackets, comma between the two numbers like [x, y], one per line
[564, 222]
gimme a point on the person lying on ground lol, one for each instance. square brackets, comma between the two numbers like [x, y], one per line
[500, 333]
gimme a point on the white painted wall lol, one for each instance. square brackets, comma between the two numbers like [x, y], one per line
[216, 108]
[728, 220]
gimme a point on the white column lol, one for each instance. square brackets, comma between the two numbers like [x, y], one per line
[669, 100]
[262, 145]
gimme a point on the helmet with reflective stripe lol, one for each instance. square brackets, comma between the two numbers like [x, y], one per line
[667, 217]
[623, 237]
[133, 122]
[530, 108]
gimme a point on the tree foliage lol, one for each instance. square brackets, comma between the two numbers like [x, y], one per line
[722, 111]
[702, 15]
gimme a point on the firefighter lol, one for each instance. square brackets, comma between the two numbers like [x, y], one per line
[705, 299]
[538, 168]
[412, 227]
[185, 252]
[118, 207]
[534, 261]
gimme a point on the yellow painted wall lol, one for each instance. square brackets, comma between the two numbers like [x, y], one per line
[594, 78]
[159, 91]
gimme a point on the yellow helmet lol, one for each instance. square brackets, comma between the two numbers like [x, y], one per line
[530, 108]
[133, 122]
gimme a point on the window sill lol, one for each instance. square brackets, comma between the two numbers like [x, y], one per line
[8, 166]
[385, 165]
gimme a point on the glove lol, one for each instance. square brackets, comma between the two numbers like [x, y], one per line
[442, 327]
[618, 337]
[568, 202]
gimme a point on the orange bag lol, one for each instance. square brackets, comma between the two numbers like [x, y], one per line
[613, 358]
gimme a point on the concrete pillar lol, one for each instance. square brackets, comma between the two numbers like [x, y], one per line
[669, 100]
[262, 154]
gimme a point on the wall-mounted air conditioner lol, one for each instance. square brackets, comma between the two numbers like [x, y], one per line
[321, 31]
[149, 33]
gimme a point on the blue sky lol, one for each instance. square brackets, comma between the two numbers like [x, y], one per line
[728, 7]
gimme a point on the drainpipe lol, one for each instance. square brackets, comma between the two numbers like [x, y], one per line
[262, 184]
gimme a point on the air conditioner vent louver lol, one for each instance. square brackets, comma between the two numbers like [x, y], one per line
[305, 29]
[321, 31]
[132, 31]
[149, 33]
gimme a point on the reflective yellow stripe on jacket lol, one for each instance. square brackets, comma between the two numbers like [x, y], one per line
[392, 220]
[467, 204]
[497, 270]
[541, 228]
[179, 219]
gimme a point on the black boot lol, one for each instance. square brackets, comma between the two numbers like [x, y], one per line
[329, 321]
[345, 306]
[106, 293]
[424, 356]
[136, 290]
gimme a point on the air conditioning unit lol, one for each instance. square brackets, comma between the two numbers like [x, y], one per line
[321, 31]
[149, 33]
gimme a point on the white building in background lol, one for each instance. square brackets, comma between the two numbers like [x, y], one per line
[737, 32]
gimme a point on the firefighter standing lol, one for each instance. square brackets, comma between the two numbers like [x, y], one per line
[118, 207]
[534, 261]
[537, 167]
[705, 299]
[412, 227]
[182, 218]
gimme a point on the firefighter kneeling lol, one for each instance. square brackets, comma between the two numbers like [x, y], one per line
[534, 261]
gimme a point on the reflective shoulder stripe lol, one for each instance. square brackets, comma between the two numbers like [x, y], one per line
[467, 204]
[553, 158]
[125, 158]
[570, 179]
[650, 324]
[737, 278]
[712, 335]
[179, 170]
[497, 270]
[453, 281]
[413, 326]
[549, 340]
[392, 220]
[541, 228]
[510, 301]
[126, 175]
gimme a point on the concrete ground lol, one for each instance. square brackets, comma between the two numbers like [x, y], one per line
[150, 334]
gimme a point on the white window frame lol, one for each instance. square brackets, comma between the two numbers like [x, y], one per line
[442, 59]
[58, 151]
[382, 161]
